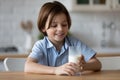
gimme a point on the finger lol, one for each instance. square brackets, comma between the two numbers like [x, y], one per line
[71, 68]
[81, 60]
[74, 66]
[69, 72]
[81, 69]
[81, 57]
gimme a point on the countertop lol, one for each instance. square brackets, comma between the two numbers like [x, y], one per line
[107, 50]
[23, 55]
[101, 52]
[16, 55]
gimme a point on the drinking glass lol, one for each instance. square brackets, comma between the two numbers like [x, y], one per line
[74, 55]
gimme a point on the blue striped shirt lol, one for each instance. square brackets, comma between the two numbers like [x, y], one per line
[45, 52]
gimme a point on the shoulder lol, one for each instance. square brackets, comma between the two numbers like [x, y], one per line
[40, 43]
[73, 40]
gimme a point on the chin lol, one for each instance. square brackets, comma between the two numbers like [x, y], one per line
[60, 39]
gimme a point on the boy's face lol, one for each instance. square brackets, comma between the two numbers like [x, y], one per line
[58, 28]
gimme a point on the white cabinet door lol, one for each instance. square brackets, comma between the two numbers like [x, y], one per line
[90, 5]
[101, 5]
[94, 5]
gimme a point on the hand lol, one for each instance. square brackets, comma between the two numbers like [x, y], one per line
[67, 69]
[81, 63]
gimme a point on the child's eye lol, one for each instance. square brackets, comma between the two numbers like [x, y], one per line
[64, 25]
[53, 25]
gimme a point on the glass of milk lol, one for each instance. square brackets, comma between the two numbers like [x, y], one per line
[74, 54]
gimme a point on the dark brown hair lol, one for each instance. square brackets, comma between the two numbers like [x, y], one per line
[52, 9]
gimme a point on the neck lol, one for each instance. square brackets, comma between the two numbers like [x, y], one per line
[58, 44]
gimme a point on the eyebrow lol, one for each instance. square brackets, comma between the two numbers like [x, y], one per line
[62, 21]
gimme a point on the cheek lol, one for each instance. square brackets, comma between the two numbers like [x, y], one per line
[66, 30]
[50, 32]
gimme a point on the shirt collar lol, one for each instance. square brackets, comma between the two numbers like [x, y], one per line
[66, 44]
[49, 44]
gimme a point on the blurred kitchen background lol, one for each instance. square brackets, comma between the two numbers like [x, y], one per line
[95, 22]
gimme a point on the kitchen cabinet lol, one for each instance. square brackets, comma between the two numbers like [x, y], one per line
[94, 5]
[116, 5]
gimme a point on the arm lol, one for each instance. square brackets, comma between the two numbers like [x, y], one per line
[93, 64]
[31, 66]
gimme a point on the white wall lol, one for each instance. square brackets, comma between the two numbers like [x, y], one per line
[88, 26]
[85, 25]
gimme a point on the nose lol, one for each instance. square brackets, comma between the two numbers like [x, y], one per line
[60, 28]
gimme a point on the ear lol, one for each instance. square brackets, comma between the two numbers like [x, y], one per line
[44, 30]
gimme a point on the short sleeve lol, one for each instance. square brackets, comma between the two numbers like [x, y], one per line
[87, 52]
[37, 52]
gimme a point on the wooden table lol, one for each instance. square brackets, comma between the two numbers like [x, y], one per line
[101, 75]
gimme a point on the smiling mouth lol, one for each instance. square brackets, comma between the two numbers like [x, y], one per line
[60, 35]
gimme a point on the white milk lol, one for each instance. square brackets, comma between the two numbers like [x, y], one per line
[74, 55]
[74, 58]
